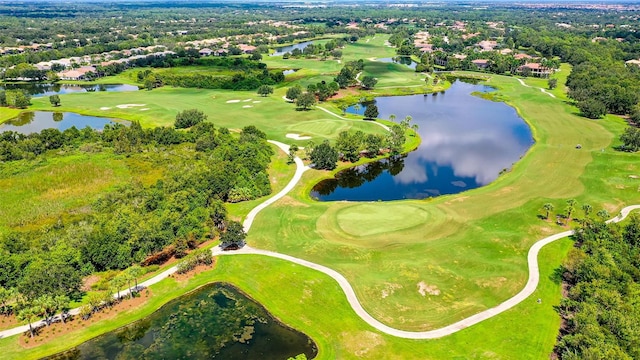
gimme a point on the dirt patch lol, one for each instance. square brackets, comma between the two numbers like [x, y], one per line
[345, 92]
[289, 201]
[456, 200]
[389, 289]
[492, 283]
[424, 289]
[59, 329]
[8, 322]
[89, 281]
[361, 343]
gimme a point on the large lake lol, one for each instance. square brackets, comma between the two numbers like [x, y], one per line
[35, 121]
[466, 143]
[40, 90]
[214, 322]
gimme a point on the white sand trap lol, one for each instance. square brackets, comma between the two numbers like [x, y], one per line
[247, 100]
[247, 106]
[105, 108]
[297, 137]
[256, 102]
[232, 101]
[126, 106]
[145, 109]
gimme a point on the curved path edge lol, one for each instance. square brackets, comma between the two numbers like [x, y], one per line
[529, 288]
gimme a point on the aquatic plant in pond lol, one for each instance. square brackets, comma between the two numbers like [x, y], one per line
[215, 321]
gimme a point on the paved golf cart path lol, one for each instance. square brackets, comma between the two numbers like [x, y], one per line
[529, 288]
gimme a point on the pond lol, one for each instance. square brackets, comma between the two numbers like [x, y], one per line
[214, 322]
[404, 60]
[35, 121]
[466, 143]
[40, 90]
[287, 49]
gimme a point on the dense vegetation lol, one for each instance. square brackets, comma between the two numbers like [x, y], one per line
[601, 313]
[203, 168]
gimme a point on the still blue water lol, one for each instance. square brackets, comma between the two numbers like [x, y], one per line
[287, 49]
[404, 60]
[466, 142]
[35, 121]
[40, 90]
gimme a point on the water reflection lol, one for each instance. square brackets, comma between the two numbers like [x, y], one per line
[466, 143]
[35, 121]
[403, 60]
[287, 49]
[40, 90]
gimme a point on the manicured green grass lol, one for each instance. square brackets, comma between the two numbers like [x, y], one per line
[314, 304]
[272, 114]
[472, 246]
[8, 114]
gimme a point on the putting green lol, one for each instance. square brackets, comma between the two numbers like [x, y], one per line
[373, 219]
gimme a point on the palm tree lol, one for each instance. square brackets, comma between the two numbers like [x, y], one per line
[29, 314]
[548, 207]
[392, 117]
[136, 271]
[415, 127]
[117, 283]
[62, 304]
[603, 215]
[571, 206]
[587, 210]
[46, 306]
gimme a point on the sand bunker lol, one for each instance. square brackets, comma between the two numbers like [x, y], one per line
[126, 106]
[297, 137]
[232, 101]
[105, 108]
[256, 102]
[145, 109]
[247, 106]
[246, 100]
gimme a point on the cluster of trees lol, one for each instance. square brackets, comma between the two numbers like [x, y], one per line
[630, 139]
[15, 98]
[330, 48]
[600, 312]
[304, 100]
[349, 72]
[238, 81]
[351, 145]
[566, 215]
[601, 87]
